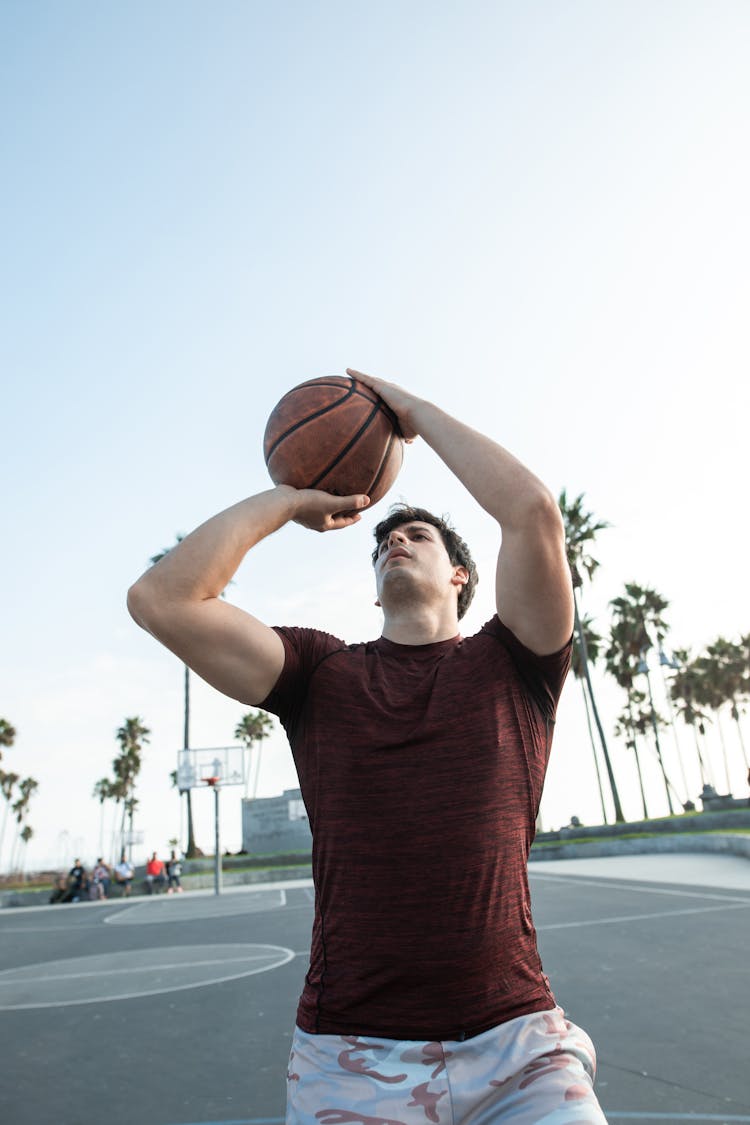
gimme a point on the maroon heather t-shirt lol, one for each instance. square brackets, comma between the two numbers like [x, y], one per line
[421, 768]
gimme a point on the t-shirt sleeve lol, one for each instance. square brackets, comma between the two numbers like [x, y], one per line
[303, 651]
[543, 676]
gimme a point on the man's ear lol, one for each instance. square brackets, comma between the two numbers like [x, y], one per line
[460, 576]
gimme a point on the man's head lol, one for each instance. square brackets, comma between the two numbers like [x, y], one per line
[459, 555]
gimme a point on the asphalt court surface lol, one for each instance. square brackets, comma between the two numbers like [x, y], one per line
[179, 1010]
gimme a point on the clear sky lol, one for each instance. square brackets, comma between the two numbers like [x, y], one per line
[534, 214]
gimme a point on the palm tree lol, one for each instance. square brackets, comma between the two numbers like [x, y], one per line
[729, 679]
[720, 676]
[630, 723]
[670, 662]
[637, 615]
[20, 807]
[8, 781]
[102, 792]
[26, 835]
[581, 529]
[7, 734]
[593, 646]
[685, 690]
[131, 735]
[253, 727]
[743, 694]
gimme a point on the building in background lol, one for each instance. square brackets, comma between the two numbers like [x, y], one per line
[276, 824]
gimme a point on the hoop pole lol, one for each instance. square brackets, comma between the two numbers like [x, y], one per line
[217, 848]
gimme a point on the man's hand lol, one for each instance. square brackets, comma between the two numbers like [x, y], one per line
[322, 511]
[400, 401]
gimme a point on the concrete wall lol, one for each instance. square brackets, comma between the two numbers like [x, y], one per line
[276, 824]
[726, 844]
[714, 821]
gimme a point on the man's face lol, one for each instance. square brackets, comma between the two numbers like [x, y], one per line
[412, 562]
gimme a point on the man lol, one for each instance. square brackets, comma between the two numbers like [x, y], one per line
[421, 759]
[124, 872]
[102, 877]
[76, 879]
[174, 871]
[156, 874]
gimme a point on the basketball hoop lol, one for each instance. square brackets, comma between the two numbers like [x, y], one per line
[214, 767]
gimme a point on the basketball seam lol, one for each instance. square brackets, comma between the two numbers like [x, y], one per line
[349, 445]
[383, 463]
[310, 418]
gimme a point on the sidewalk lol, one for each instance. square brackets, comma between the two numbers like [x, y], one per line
[698, 870]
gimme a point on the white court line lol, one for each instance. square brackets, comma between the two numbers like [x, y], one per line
[203, 892]
[49, 929]
[215, 900]
[640, 917]
[137, 969]
[612, 1115]
[116, 912]
[284, 956]
[633, 886]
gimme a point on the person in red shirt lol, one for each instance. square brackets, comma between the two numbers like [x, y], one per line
[156, 874]
[421, 758]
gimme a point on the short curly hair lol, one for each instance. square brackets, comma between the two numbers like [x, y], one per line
[458, 552]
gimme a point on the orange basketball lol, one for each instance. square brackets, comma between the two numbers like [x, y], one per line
[336, 434]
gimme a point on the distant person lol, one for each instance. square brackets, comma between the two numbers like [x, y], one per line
[421, 757]
[174, 871]
[61, 890]
[156, 875]
[76, 880]
[124, 872]
[102, 877]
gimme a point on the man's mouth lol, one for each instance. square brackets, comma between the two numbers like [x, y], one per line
[397, 553]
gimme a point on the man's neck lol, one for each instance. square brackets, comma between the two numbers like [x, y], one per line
[411, 626]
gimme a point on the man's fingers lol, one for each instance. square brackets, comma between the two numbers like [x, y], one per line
[322, 511]
[353, 503]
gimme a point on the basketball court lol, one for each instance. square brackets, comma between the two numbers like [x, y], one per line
[178, 1010]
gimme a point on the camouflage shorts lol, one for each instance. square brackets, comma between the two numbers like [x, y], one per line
[531, 1070]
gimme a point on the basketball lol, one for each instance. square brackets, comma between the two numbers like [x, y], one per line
[335, 434]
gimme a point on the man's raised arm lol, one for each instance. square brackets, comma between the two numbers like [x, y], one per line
[533, 588]
[179, 600]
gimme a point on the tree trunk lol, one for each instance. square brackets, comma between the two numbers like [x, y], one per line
[2, 830]
[585, 665]
[637, 760]
[190, 851]
[723, 751]
[674, 734]
[593, 751]
[656, 740]
[640, 780]
[736, 717]
[705, 775]
[186, 727]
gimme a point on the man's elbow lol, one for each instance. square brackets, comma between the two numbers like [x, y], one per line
[543, 512]
[141, 603]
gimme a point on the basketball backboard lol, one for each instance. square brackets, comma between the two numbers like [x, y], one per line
[196, 766]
